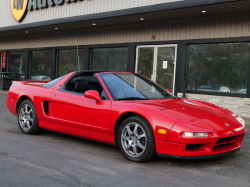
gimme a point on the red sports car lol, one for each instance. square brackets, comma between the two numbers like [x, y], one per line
[128, 110]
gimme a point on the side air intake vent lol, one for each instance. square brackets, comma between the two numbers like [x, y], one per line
[46, 107]
[192, 147]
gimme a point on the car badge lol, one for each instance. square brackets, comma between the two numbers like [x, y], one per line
[227, 124]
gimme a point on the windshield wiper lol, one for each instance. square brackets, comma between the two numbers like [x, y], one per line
[132, 98]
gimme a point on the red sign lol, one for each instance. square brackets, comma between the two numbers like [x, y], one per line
[4, 60]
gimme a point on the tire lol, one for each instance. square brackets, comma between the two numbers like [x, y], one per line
[27, 118]
[138, 144]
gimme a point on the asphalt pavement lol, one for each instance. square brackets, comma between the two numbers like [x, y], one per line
[52, 159]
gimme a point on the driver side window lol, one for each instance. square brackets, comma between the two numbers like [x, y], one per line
[81, 84]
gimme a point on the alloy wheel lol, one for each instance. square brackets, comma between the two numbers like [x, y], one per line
[26, 117]
[134, 139]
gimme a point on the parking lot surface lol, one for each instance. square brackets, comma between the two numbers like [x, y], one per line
[52, 159]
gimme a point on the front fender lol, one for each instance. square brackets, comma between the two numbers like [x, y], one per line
[155, 117]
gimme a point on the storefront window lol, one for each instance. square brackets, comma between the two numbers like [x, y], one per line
[40, 65]
[110, 59]
[69, 60]
[219, 67]
[16, 64]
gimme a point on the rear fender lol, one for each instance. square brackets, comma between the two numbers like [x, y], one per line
[21, 98]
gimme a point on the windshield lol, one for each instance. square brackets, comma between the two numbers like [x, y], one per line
[128, 86]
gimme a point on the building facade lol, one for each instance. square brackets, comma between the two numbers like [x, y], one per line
[198, 48]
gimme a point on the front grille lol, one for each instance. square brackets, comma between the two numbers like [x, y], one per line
[224, 139]
[222, 145]
[228, 143]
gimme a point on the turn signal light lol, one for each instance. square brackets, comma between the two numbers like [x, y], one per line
[162, 131]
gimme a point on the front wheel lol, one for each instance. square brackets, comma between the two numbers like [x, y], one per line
[136, 139]
[27, 118]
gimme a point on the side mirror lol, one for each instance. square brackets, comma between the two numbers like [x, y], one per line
[169, 90]
[93, 94]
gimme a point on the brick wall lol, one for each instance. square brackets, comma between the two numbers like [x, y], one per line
[240, 106]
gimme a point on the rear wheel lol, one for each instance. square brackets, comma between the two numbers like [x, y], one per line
[27, 118]
[136, 139]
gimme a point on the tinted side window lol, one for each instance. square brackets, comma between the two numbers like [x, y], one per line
[93, 84]
[91, 80]
[104, 95]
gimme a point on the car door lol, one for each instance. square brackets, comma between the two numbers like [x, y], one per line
[73, 112]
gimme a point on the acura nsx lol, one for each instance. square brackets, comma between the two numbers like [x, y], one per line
[127, 110]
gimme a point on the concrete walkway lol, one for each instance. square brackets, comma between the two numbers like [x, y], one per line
[4, 92]
[247, 120]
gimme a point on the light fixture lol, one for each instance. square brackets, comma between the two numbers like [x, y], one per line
[142, 19]
[195, 134]
[203, 11]
[162, 131]
[27, 31]
[56, 28]
[94, 24]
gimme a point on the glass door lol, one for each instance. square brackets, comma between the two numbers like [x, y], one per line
[157, 62]
[145, 61]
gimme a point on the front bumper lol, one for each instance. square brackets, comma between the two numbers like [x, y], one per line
[199, 149]
[196, 157]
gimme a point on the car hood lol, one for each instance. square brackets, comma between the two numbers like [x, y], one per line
[204, 113]
[194, 108]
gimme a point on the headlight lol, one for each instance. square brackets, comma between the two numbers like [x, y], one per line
[195, 134]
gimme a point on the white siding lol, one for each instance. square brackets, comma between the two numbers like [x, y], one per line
[74, 9]
[198, 28]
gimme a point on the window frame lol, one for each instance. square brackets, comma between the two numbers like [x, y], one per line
[107, 47]
[57, 50]
[8, 68]
[214, 41]
[52, 64]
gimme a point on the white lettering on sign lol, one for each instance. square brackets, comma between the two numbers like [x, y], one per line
[39, 4]
[165, 64]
